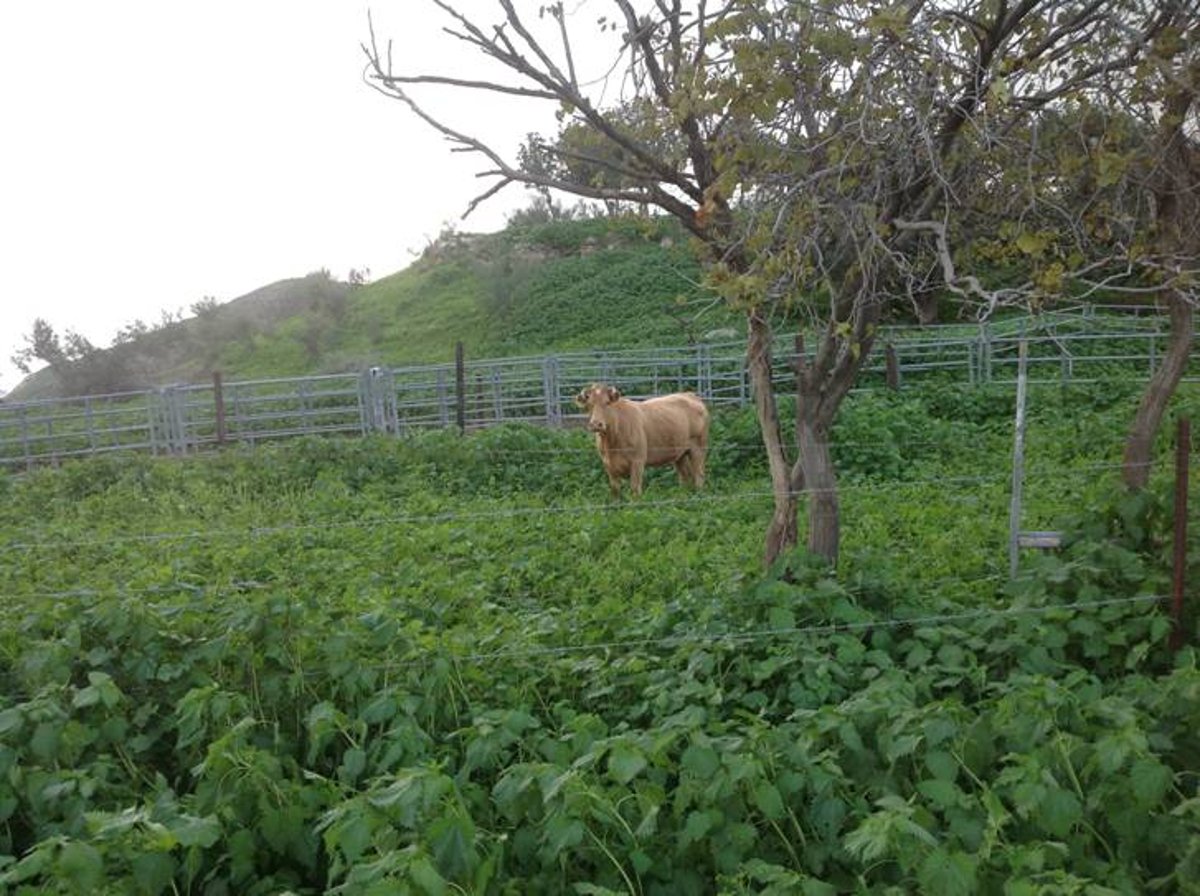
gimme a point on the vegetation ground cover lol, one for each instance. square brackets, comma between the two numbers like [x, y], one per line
[444, 665]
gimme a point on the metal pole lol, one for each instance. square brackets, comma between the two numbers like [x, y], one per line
[1018, 473]
[91, 422]
[460, 387]
[443, 399]
[1183, 443]
[219, 405]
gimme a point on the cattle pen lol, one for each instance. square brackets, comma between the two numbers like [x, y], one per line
[1077, 345]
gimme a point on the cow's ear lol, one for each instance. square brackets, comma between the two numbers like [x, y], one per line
[582, 398]
[614, 394]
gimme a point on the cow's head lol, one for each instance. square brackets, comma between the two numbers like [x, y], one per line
[598, 399]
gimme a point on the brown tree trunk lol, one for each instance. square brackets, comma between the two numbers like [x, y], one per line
[1135, 465]
[815, 465]
[781, 531]
[1176, 187]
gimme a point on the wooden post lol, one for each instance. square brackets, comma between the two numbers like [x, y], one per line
[460, 387]
[893, 368]
[1018, 473]
[219, 406]
[1183, 443]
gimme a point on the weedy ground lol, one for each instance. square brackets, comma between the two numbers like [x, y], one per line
[447, 665]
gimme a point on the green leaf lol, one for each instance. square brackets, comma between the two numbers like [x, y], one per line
[452, 841]
[561, 833]
[1150, 781]
[1059, 811]
[948, 873]
[11, 720]
[243, 850]
[353, 836]
[284, 828]
[425, 876]
[44, 743]
[353, 763]
[902, 746]
[153, 872]
[941, 765]
[192, 831]
[768, 800]
[699, 824]
[80, 864]
[701, 761]
[625, 762]
[941, 793]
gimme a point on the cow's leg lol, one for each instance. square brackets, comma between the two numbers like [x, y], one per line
[614, 486]
[697, 453]
[635, 477]
[683, 467]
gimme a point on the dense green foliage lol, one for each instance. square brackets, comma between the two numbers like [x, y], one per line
[451, 665]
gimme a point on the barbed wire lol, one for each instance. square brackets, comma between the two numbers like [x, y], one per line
[670, 642]
[635, 506]
[936, 620]
[127, 590]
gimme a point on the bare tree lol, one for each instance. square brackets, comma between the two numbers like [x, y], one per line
[820, 154]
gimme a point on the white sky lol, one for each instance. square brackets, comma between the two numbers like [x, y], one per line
[153, 153]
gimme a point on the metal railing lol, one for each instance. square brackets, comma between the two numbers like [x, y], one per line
[1073, 346]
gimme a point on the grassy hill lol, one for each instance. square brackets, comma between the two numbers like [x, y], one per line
[528, 289]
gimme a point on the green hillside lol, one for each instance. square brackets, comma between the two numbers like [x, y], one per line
[528, 289]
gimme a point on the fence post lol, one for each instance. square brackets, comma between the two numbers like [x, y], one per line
[25, 438]
[166, 423]
[219, 405]
[443, 399]
[893, 368]
[497, 403]
[177, 419]
[377, 401]
[550, 390]
[1183, 447]
[364, 402]
[703, 372]
[1018, 473]
[985, 351]
[460, 387]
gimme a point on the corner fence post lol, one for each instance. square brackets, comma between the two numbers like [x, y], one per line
[1183, 447]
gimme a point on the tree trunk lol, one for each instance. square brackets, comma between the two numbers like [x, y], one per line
[781, 531]
[815, 465]
[1135, 466]
[1175, 185]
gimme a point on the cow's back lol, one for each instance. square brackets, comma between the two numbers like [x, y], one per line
[673, 424]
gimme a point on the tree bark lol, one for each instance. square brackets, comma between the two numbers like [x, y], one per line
[1175, 184]
[781, 532]
[1135, 465]
[815, 465]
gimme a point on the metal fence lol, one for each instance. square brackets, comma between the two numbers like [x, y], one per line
[1079, 345]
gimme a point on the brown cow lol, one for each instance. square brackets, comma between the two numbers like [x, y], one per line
[632, 435]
